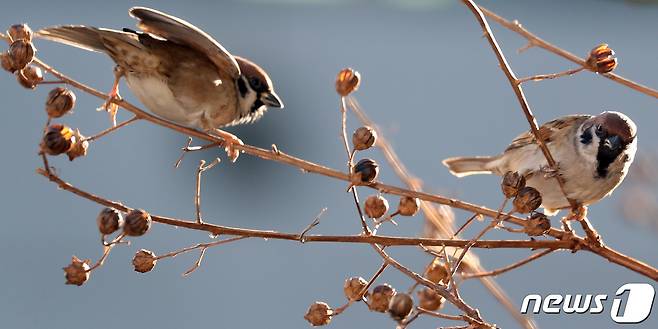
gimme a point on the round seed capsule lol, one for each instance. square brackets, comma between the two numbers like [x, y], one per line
[109, 220]
[319, 314]
[400, 306]
[137, 223]
[77, 273]
[144, 261]
[353, 287]
[408, 206]
[528, 199]
[60, 101]
[21, 53]
[376, 206]
[380, 298]
[364, 138]
[30, 77]
[347, 81]
[20, 32]
[365, 171]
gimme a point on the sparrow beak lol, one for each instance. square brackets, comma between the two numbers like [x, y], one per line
[271, 99]
[612, 142]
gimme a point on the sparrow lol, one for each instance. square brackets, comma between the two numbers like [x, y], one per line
[178, 72]
[593, 155]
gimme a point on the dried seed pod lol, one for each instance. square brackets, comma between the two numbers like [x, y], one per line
[5, 61]
[528, 199]
[537, 224]
[79, 148]
[58, 139]
[602, 59]
[347, 81]
[512, 183]
[77, 272]
[319, 314]
[21, 53]
[380, 298]
[376, 206]
[364, 138]
[20, 32]
[109, 220]
[365, 171]
[353, 287]
[429, 299]
[400, 306]
[30, 77]
[144, 261]
[60, 101]
[408, 206]
[437, 272]
[137, 222]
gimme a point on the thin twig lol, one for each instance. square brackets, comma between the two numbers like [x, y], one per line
[540, 77]
[518, 91]
[572, 242]
[509, 267]
[534, 40]
[314, 223]
[111, 129]
[197, 197]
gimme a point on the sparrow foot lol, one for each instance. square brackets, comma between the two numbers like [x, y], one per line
[229, 143]
[593, 236]
[550, 172]
[109, 105]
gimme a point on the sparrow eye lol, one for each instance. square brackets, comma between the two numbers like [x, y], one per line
[599, 131]
[255, 83]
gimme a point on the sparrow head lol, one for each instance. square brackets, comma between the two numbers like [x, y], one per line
[608, 138]
[255, 91]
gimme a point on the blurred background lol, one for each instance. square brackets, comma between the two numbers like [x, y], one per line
[429, 80]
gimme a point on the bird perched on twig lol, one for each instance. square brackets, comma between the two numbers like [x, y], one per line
[179, 72]
[593, 155]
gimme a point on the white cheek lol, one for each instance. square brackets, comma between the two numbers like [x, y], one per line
[588, 151]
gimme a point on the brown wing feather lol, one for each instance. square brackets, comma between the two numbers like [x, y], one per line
[546, 131]
[179, 31]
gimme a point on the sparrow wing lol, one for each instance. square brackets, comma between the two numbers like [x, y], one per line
[548, 131]
[179, 31]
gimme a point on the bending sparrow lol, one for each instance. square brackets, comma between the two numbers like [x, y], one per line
[179, 72]
[593, 153]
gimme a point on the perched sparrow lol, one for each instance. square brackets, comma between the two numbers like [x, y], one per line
[593, 155]
[179, 72]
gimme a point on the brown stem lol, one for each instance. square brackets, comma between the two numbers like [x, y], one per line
[534, 40]
[509, 267]
[518, 91]
[111, 129]
[540, 77]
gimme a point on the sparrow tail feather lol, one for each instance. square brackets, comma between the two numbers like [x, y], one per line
[465, 166]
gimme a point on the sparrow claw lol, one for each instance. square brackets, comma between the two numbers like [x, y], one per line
[550, 172]
[231, 151]
[228, 143]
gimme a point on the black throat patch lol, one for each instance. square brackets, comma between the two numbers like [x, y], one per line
[604, 157]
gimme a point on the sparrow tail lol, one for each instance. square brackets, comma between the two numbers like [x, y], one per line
[465, 166]
[88, 37]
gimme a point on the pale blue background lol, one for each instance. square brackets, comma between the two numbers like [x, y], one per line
[430, 81]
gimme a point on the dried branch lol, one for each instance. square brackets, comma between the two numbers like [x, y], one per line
[518, 91]
[535, 41]
[509, 267]
[307, 166]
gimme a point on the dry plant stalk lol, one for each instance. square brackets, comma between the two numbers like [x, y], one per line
[439, 278]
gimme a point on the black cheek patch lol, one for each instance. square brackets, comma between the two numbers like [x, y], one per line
[586, 137]
[257, 104]
[605, 157]
[242, 87]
